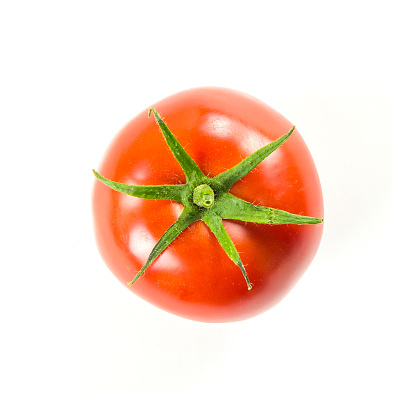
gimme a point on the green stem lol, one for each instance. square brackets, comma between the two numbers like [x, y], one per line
[203, 196]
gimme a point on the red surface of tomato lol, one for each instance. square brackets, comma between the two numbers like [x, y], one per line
[194, 278]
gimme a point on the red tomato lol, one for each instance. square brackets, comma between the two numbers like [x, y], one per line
[194, 278]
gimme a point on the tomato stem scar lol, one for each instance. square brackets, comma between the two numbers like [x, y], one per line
[203, 196]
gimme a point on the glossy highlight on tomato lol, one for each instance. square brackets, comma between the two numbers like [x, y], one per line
[194, 276]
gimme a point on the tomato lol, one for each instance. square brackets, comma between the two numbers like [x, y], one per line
[194, 276]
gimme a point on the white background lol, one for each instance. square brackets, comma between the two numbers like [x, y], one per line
[74, 340]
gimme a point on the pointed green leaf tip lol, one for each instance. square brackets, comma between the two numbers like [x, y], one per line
[205, 204]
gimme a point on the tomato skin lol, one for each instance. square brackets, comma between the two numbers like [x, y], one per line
[193, 277]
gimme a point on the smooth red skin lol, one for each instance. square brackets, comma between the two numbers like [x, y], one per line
[193, 277]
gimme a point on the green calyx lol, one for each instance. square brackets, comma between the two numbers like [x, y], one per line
[208, 199]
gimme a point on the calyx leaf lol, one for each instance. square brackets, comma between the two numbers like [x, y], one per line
[211, 201]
